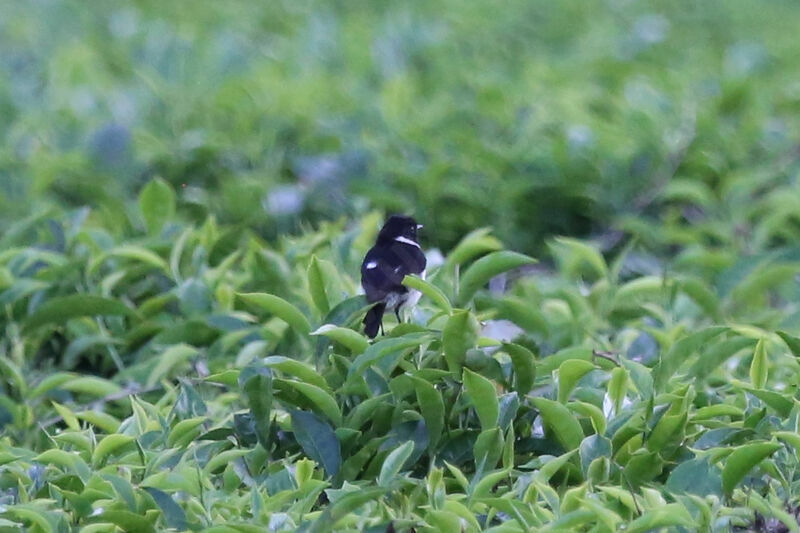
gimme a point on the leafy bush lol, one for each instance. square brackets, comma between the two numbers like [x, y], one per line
[197, 377]
[540, 118]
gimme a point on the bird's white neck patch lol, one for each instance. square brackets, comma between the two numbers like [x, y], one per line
[406, 240]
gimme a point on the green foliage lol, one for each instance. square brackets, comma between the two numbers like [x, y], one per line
[192, 376]
[184, 352]
[548, 118]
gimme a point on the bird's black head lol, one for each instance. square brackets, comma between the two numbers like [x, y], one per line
[399, 226]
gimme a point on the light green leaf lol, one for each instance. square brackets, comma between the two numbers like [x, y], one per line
[280, 308]
[185, 431]
[681, 351]
[67, 415]
[109, 445]
[353, 340]
[131, 252]
[576, 252]
[157, 203]
[569, 373]
[432, 406]
[473, 244]
[759, 367]
[557, 417]
[483, 396]
[92, 386]
[672, 514]
[394, 463]
[485, 268]
[460, 333]
[302, 371]
[431, 291]
[522, 360]
[172, 357]
[321, 399]
[742, 460]
[385, 347]
[316, 286]
[59, 310]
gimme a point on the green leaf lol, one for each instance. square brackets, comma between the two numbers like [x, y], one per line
[742, 460]
[394, 463]
[594, 447]
[316, 286]
[344, 506]
[696, 476]
[222, 459]
[781, 403]
[59, 310]
[618, 387]
[92, 386]
[702, 295]
[791, 341]
[759, 367]
[299, 369]
[280, 308]
[318, 440]
[172, 357]
[671, 514]
[432, 407]
[83, 344]
[483, 396]
[321, 399]
[431, 291]
[126, 521]
[385, 347]
[185, 431]
[130, 252]
[668, 431]
[352, 340]
[560, 421]
[473, 244]
[714, 356]
[109, 445]
[258, 389]
[578, 253]
[681, 351]
[174, 515]
[569, 373]
[103, 421]
[69, 417]
[487, 451]
[522, 360]
[485, 268]
[157, 203]
[460, 333]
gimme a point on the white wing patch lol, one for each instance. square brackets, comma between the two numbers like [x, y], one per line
[406, 240]
[371, 265]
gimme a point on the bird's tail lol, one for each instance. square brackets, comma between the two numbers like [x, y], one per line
[373, 319]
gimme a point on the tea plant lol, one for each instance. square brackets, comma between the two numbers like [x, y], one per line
[197, 377]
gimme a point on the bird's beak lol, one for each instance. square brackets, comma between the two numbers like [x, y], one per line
[420, 226]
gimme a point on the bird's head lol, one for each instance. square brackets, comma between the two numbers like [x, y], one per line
[399, 226]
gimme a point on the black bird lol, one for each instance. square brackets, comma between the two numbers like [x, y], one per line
[395, 255]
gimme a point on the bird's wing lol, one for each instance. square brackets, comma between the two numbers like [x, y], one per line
[384, 268]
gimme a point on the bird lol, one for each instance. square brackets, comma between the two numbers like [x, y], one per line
[395, 255]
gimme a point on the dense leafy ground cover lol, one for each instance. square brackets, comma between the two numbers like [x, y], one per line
[540, 118]
[196, 377]
[185, 353]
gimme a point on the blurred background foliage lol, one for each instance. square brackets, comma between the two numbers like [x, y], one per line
[537, 118]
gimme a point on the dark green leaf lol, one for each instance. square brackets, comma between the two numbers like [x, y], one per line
[318, 440]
